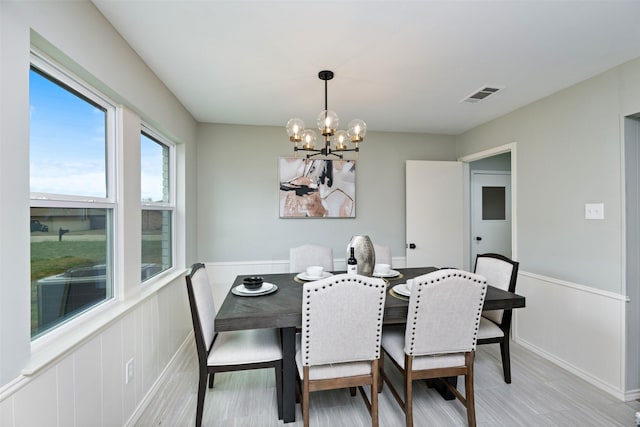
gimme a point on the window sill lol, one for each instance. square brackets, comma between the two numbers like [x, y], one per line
[49, 351]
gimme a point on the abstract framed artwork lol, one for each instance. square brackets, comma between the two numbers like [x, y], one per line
[311, 188]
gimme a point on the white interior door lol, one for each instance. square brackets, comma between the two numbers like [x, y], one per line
[490, 213]
[434, 214]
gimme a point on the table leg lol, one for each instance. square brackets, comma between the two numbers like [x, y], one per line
[441, 387]
[289, 374]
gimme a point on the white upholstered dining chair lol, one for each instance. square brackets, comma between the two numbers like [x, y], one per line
[439, 338]
[339, 346]
[495, 325]
[304, 256]
[227, 351]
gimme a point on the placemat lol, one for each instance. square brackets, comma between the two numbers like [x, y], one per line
[397, 295]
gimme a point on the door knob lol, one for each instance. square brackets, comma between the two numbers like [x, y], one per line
[412, 245]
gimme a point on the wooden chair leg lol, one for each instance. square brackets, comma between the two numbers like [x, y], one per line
[408, 390]
[202, 388]
[374, 393]
[506, 359]
[305, 396]
[469, 393]
[381, 371]
[352, 391]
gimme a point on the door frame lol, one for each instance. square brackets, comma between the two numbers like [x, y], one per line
[466, 159]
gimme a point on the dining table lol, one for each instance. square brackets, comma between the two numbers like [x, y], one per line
[282, 309]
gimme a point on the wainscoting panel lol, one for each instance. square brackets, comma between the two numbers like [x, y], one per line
[65, 389]
[87, 373]
[577, 327]
[112, 364]
[42, 391]
[6, 413]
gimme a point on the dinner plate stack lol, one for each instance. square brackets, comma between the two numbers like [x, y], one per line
[265, 289]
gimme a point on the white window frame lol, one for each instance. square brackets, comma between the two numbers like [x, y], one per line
[170, 204]
[110, 202]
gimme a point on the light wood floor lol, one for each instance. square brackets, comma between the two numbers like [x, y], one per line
[541, 394]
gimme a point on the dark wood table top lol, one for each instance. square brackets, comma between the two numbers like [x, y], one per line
[283, 308]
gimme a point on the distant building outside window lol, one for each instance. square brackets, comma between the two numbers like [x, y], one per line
[72, 196]
[158, 202]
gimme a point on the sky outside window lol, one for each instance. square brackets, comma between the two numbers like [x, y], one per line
[79, 168]
[154, 172]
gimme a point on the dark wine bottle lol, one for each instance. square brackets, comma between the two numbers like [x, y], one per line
[352, 263]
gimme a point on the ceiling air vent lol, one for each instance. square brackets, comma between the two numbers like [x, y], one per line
[481, 94]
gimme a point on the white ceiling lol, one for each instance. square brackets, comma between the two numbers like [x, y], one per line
[401, 66]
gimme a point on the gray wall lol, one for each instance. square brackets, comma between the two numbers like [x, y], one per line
[238, 218]
[569, 152]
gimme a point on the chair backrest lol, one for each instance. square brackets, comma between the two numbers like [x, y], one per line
[500, 272]
[383, 254]
[342, 319]
[203, 310]
[304, 256]
[444, 312]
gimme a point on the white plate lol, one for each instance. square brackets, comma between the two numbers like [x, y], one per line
[391, 273]
[266, 288]
[402, 289]
[305, 276]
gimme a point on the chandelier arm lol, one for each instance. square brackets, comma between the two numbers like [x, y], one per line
[311, 150]
[324, 154]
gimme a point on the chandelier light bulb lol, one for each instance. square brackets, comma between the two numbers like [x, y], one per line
[328, 122]
[340, 140]
[357, 130]
[308, 139]
[295, 127]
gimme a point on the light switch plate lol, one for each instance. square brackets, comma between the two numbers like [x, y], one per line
[594, 211]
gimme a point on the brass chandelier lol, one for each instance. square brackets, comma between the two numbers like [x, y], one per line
[335, 141]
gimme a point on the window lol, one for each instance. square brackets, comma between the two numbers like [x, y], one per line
[494, 205]
[156, 168]
[71, 147]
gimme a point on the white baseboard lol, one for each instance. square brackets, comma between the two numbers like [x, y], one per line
[632, 395]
